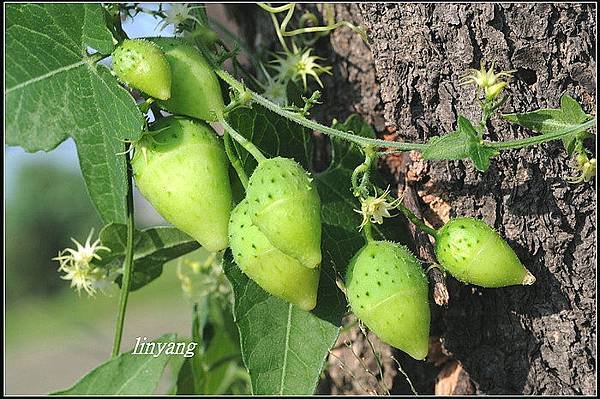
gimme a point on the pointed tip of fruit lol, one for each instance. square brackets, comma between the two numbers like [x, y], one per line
[307, 304]
[418, 353]
[529, 279]
[164, 95]
[311, 265]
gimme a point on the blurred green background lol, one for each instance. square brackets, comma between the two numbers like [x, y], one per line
[52, 335]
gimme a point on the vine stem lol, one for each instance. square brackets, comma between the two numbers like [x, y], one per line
[234, 160]
[415, 220]
[364, 141]
[274, 10]
[128, 263]
[247, 144]
[520, 143]
[362, 168]
[365, 169]
[396, 146]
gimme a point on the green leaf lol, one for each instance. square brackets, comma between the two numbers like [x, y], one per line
[283, 347]
[453, 145]
[547, 120]
[126, 374]
[152, 249]
[54, 90]
[461, 144]
[272, 134]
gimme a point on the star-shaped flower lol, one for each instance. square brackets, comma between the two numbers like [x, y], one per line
[78, 267]
[488, 81]
[299, 64]
[374, 209]
[177, 14]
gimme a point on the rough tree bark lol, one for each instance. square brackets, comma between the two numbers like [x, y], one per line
[531, 340]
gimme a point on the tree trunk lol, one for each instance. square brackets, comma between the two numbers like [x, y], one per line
[538, 339]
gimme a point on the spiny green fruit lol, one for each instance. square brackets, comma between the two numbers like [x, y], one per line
[195, 89]
[277, 273]
[284, 204]
[387, 290]
[182, 170]
[142, 65]
[475, 253]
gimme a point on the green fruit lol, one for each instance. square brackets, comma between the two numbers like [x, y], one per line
[182, 170]
[277, 273]
[142, 65]
[474, 253]
[195, 89]
[387, 290]
[285, 205]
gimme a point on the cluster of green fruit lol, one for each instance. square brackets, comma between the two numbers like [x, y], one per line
[388, 291]
[181, 167]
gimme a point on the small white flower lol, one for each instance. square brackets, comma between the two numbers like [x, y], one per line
[77, 266]
[374, 209]
[299, 64]
[178, 14]
[489, 81]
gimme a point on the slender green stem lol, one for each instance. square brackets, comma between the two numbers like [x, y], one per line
[542, 138]
[253, 81]
[362, 168]
[287, 18]
[312, 29]
[364, 141]
[396, 146]
[415, 220]
[274, 10]
[276, 26]
[368, 231]
[128, 263]
[235, 160]
[485, 115]
[232, 36]
[197, 360]
[365, 180]
[322, 29]
[409, 215]
[369, 158]
[281, 29]
[244, 47]
[146, 105]
[247, 144]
